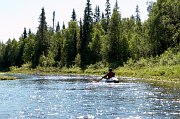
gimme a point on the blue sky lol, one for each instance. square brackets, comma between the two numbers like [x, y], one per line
[17, 14]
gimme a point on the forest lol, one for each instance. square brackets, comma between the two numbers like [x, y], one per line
[102, 38]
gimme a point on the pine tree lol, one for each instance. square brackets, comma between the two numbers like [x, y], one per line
[53, 21]
[116, 7]
[107, 12]
[42, 45]
[73, 15]
[64, 27]
[79, 44]
[137, 13]
[58, 27]
[24, 34]
[97, 14]
[87, 29]
[117, 46]
[29, 33]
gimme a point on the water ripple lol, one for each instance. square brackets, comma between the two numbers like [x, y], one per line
[77, 97]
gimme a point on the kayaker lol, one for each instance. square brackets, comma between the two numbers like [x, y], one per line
[110, 74]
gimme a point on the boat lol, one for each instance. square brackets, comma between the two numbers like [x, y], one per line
[112, 80]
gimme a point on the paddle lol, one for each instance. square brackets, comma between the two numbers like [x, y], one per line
[98, 80]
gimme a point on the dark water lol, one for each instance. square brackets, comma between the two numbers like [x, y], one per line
[73, 97]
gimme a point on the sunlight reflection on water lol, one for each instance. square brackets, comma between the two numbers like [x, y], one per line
[77, 97]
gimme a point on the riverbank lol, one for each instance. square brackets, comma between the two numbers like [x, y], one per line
[164, 76]
[156, 72]
[3, 77]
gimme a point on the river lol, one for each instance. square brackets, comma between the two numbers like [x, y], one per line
[77, 97]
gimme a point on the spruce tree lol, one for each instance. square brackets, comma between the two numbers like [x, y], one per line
[73, 17]
[29, 33]
[53, 21]
[107, 12]
[58, 27]
[24, 34]
[116, 45]
[87, 29]
[64, 27]
[97, 14]
[137, 13]
[42, 45]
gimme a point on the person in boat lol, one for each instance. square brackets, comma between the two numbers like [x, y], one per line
[110, 74]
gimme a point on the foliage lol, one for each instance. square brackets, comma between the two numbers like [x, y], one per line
[41, 44]
[102, 40]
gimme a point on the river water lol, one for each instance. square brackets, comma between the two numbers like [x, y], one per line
[77, 97]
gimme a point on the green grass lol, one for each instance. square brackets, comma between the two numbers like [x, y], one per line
[164, 72]
[7, 78]
[162, 75]
[155, 72]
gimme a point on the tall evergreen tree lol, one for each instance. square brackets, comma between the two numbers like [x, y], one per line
[117, 46]
[53, 21]
[107, 12]
[29, 33]
[64, 27]
[58, 27]
[73, 17]
[97, 14]
[42, 44]
[137, 13]
[24, 34]
[87, 28]
[116, 7]
[79, 44]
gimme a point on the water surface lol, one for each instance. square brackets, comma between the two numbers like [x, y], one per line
[77, 97]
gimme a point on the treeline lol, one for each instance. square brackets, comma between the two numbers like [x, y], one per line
[97, 37]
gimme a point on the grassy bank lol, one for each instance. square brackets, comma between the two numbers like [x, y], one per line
[162, 75]
[2, 77]
[154, 72]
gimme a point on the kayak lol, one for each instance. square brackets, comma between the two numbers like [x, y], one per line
[112, 80]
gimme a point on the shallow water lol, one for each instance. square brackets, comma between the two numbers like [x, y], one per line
[77, 97]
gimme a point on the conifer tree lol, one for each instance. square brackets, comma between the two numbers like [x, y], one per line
[29, 33]
[42, 45]
[97, 14]
[64, 27]
[107, 12]
[24, 34]
[137, 13]
[116, 44]
[53, 21]
[79, 44]
[87, 28]
[58, 27]
[73, 17]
